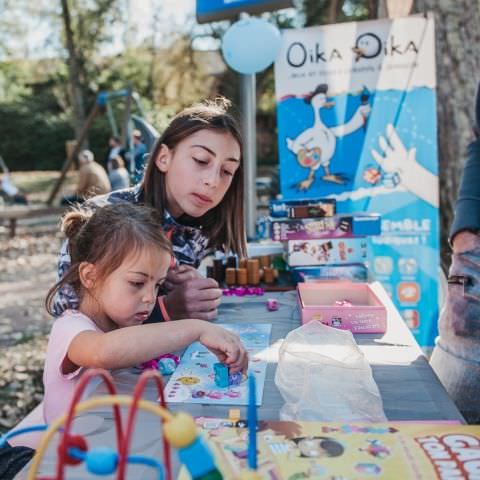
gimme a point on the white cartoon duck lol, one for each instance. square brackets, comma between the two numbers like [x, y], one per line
[315, 146]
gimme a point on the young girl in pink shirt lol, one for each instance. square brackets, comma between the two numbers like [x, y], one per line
[120, 258]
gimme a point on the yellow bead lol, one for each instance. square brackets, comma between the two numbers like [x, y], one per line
[180, 431]
[249, 475]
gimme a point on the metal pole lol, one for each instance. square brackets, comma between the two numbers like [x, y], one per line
[68, 162]
[249, 110]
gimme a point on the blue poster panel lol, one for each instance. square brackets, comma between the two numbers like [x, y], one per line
[213, 10]
[356, 109]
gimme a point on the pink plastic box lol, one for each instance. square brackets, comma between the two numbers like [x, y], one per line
[344, 305]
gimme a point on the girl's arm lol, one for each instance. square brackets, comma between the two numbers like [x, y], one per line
[131, 346]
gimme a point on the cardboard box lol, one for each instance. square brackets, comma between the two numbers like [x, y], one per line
[338, 226]
[331, 251]
[343, 305]
[311, 211]
[281, 208]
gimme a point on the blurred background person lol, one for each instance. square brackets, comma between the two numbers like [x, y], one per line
[92, 179]
[139, 151]
[118, 175]
[115, 149]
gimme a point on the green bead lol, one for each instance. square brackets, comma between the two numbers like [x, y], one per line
[212, 475]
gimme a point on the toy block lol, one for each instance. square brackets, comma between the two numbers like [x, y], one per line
[234, 415]
[221, 375]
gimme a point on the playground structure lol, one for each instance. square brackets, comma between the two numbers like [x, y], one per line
[103, 104]
[179, 432]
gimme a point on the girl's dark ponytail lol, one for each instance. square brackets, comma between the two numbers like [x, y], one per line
[73, 221]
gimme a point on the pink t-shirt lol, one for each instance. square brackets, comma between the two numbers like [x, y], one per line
[59, 387]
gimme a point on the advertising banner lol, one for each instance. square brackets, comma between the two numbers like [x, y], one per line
[356, 109]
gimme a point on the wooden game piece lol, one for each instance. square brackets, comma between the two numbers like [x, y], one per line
[265, 261]
[253, 273]
[230, 276]
[268, 275]
[241, 276]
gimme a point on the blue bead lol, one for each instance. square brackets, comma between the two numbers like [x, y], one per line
[197, 458]
[101, 461]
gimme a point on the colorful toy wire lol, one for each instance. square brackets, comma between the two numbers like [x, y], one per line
[179, 431]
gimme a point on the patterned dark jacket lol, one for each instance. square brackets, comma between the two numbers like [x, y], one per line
[190, 246]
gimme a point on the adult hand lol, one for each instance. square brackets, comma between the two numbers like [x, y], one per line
[465, 241]
[194, 298]
[178, 275]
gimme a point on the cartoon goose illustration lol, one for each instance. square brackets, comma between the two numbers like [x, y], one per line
[315, 146]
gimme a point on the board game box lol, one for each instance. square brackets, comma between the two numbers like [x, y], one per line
[301, 450]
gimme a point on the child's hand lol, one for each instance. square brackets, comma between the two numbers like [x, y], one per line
[226, 346]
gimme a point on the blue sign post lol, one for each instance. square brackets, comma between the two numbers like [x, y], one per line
[214, 10]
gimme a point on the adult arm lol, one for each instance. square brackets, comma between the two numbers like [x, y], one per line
[466, 221]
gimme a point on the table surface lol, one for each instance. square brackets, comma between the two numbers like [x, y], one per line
[409, 388]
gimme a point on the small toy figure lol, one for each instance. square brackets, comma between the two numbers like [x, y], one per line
[224, 379]
[235, 378]
[166, 364]
[272, 305]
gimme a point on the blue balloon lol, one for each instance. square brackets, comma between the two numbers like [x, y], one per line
[251, 45]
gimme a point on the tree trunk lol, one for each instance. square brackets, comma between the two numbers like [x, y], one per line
[333, 10]
[74, 73]
[457, 35]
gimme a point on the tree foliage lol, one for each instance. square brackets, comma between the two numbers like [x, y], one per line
[34, 93]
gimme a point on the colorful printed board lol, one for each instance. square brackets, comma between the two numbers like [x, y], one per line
[193, 380]
[294, 451]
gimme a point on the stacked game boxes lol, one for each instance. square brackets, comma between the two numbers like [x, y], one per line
[319, 242]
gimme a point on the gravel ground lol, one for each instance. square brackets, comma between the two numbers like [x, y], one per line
[27, 271]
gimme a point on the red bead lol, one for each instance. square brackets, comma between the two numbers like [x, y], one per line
[71, 441]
